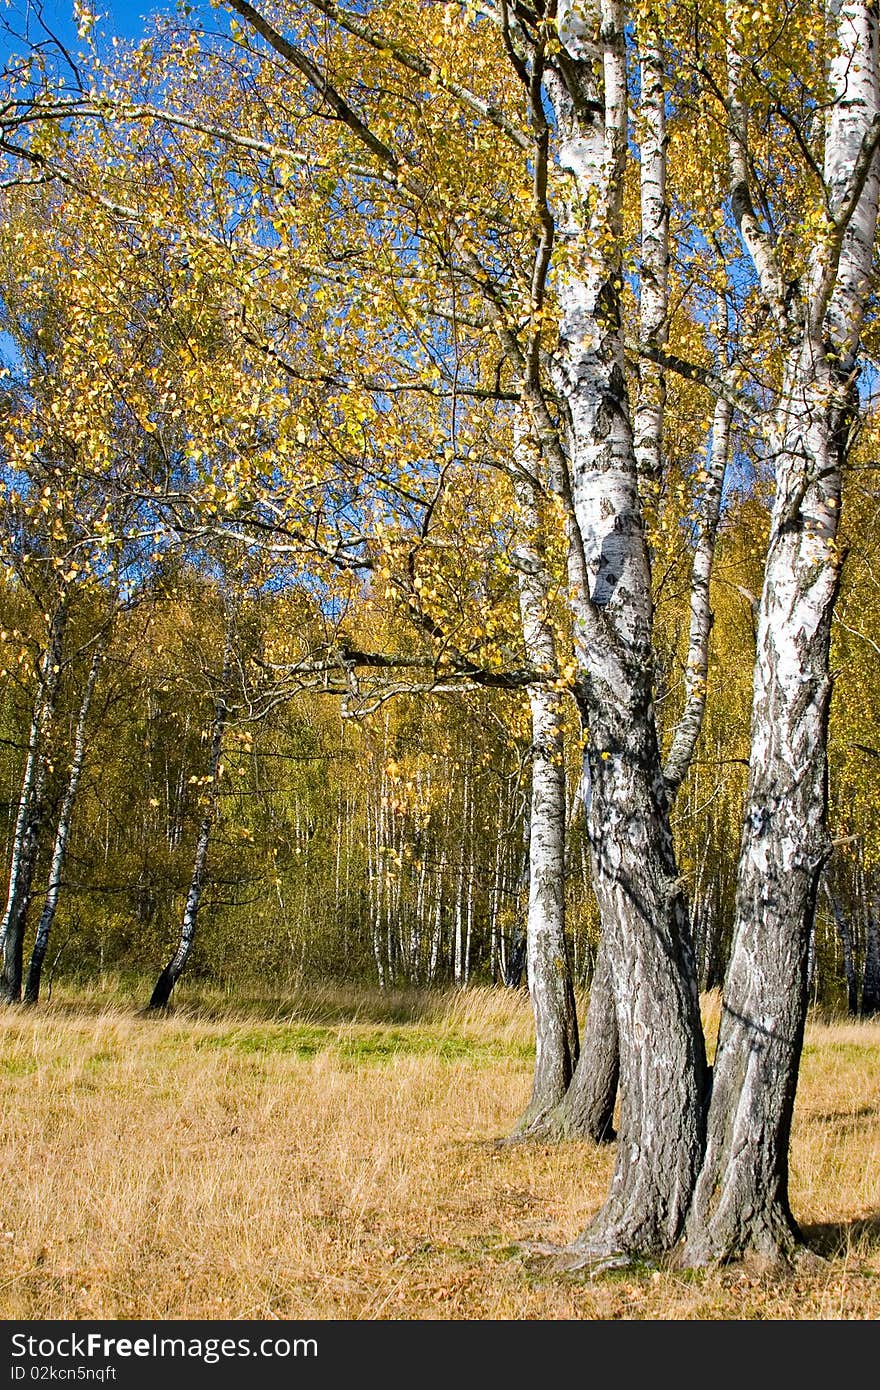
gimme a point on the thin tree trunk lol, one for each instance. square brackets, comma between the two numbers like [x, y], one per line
[687, 732]
[586, 1111]
[469, 915]
[59, 851]
[436, 934]
[654, 261]
[870, 1002]
[374, 869]
[29, 818]
[844, 932]
[549, 971]
[177, 964]
[458, 918]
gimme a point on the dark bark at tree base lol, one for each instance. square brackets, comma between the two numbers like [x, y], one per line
[13, 959]
[741, 1203]
[13, 941]
[549, 970]
[162, 991]
[34, 975]
[586, 1111]
[660, 1044]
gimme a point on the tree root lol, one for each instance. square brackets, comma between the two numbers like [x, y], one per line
[552, 1125]
[572, 1259]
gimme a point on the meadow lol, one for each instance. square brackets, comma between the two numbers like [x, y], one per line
[338, 1154]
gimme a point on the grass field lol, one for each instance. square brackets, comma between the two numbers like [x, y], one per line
[334, 1156]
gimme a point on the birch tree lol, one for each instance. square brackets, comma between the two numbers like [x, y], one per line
[209, 803]
[741, 1201]
[549, 969]
[587, 1109]
[31, 807]
[62, 832]
[579, 65]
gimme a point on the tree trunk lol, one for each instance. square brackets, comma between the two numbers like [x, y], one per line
[65, 816]
[549, 970]
[646, 938]
[654, 261]
[644, 921]
[844, 931]
[741, 1201]
[29, 818]
[687, 731]
[549, 973]
[586, 1111]
[177, 964]
[870, 1002]
[588, 1108]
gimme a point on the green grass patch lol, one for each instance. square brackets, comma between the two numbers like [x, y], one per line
[17, 1066]
[304, 1041]
[101, 1059]
[359, 1046]
[385, 1045]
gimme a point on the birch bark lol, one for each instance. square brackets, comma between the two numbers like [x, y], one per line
[29, 818]
[870, 1000]
[654, 260]
[177, 964]
[645, 925]
[741, 1201]
[549, 971]
[62, 834]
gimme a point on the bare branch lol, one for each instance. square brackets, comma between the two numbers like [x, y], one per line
[289, 51]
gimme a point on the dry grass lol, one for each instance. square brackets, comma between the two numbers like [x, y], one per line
[333, 1157]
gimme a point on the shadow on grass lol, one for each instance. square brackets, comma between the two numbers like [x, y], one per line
[834, 1240]
[844, 1117]
[321, 1003]
[329, 1005]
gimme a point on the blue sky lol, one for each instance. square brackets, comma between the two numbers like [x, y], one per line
[123, 17]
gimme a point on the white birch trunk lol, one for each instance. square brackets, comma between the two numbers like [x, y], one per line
[687, 731]
[643, 916]
[549, 972]
[458, 919]
[175, 967]
[654, 266]
[741, 1201]
[62, 834]
[588, 1109]
[29, 816]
